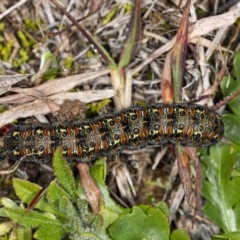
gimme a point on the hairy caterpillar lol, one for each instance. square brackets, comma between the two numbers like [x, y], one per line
[132, 128]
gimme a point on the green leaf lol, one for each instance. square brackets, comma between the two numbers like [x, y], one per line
[64, 174]
[134, 36]
[236, 65]
[110, 14]
[7, 202]
[221, 189]
[2, 213]
[24, 233]
[164, 208]
[31, 24]
[26, 191]
[96, 107]
[109, 216]
[74, 226]
[94, 221]
[98, 172]
[32, 219]
[229, 86]
[66, 206]
[26, 39]
[55, 195]
[139, 225]
[6, 50]
[179, 234]
[68, 63]
[109, 209]
[231, 127]
[51, 73]
[49, 62]
[2, 25]
[49, 232]
[227, 236]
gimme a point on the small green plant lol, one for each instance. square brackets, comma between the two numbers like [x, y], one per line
[27, 42]
[97, 107]
[64, 213]
[49, 61]
[221, 168]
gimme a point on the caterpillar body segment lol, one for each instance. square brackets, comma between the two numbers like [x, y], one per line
[132, 128]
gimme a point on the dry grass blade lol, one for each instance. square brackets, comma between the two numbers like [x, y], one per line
[12, 169]
[55, 86]
[166, 82]
[7, 81]
[40, 107]
[5, 13]
[206, 25]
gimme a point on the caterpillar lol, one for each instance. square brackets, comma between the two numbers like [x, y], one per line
[131, 128]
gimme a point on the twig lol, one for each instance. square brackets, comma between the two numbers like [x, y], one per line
[12, 8]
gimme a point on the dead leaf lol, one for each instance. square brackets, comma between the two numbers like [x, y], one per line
[7, 81]
[90, 187]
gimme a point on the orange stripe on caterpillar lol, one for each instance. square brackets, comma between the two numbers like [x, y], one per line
[132, 128]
